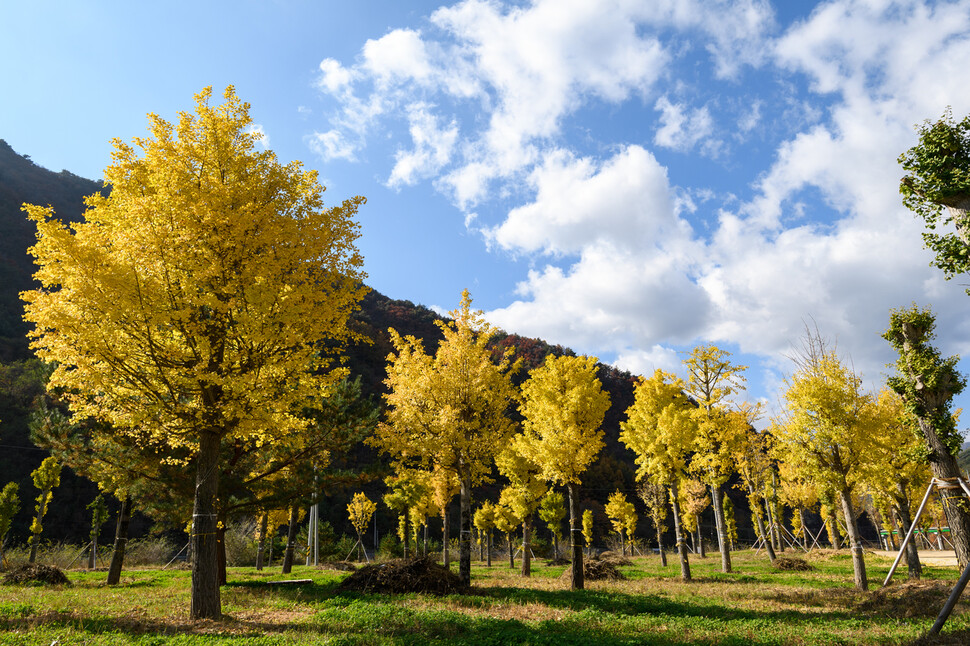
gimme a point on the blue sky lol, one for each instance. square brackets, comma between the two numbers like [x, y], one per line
[626, 178]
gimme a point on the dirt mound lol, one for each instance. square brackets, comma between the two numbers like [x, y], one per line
[34, 572]
[597, 570]
[402, 576]
[910, 599]
[792, 563]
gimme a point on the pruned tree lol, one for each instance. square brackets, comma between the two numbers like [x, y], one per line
[45, 477]
[449, 410]
[927, 384]
[563, 404]
[196, 300]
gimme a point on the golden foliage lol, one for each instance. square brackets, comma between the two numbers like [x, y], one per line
[563, 404]
[196, 295]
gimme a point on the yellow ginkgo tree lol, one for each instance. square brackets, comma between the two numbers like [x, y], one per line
[563, 404]
[623, 517]
[194, 300]
[825, 433]
[712, 380]
[449, 410]
[661, 430]
[360, 511]
[522, 495]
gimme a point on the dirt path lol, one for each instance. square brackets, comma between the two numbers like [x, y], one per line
[932, 558]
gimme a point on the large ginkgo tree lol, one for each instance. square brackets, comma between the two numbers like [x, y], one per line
[199, 299]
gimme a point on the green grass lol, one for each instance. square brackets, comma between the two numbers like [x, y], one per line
[753, 606]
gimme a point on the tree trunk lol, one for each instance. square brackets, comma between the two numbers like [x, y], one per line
[35, 537]
[445, 554]
[832, 527]
[660, 545]
[679, 534]
[290, 540]
[956, 506]
[576, 580]
[508, 537]
[555, 546]
[488, 548]
[622, 544]
[465, 531]
[722, 538]
[913, 565]
[221, 537]
[407, 534]
[93, 554]
[801, 517]
[760, 523]
[481, 547]
[699, 546]
[855, 541]
[527, 547]
[206, 602]
[263, 527]
[121, 541]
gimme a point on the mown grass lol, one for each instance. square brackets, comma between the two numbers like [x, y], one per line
[754, 605]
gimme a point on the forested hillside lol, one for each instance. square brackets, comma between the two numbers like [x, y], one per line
[21, 378]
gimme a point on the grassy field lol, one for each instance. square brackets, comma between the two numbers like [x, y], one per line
[752, 606]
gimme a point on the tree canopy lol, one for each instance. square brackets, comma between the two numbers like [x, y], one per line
[937, 188]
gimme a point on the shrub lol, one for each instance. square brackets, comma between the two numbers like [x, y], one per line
[390, 548]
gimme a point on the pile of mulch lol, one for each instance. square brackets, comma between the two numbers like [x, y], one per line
[792, 564]
[402, 576]
[614, 558]
[912, 599]
[343, 566]
[32, 572]
[595, 569]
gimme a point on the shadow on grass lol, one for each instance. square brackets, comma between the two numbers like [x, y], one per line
[597, 617]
